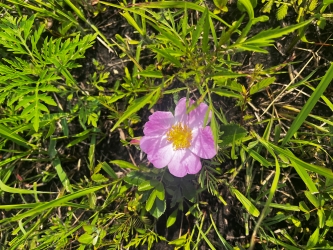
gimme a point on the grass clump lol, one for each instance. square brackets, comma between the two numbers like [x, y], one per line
[78, 81]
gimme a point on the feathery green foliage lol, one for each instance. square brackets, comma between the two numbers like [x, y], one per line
[70, 176]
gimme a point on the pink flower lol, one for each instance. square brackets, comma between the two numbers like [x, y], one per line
[178, 141]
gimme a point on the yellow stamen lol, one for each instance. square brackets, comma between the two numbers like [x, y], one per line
[180, 135]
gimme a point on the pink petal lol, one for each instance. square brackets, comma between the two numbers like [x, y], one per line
[197, 116]
[184, 162]
[180, 110]
[159, 123]
[159, 151]
[203, 143]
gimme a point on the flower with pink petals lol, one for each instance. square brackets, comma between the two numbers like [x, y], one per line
[180, 140]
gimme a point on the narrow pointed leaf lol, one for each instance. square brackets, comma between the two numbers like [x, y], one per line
[324, 83]
[135, 107]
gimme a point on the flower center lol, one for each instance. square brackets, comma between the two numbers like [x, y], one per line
[180, 135]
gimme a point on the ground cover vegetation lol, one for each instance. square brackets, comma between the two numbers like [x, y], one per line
[99, 98]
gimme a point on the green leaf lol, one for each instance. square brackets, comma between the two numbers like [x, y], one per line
[284, 207]
[199, 28]
[248, 6]
[312, 199]
[225, 37]
[175, 5]
[11, 135]
[52, 152]
[232, 85]
[171, 36]
[225, 74]
[135, 107]
[281, 243]
[268, 6]
[205, 35]
[27, 25]
[77, 140]
[188, 190]
[314, 238]
[107, 168]
[321, 217]
[135, 178]
[261, 85]
[255, 155]
[214, 125]
[313, 5]
[329, 221]
[99, 178]
[151, 200]
[227, 93]
[47, 99]
[282, 12]
[160, 192]
[180, 241]
[203, 234]
[167, 56]
[9, 189]
[53, 204]
[150, 73]
[147, 185]
[124, 164]
[317, 169]
[132, 22]
[303, 207]
[158, 208]
[172, 218]
[219, 3]
[324, 83]
[304, 176]
[246, 203]
[86, 238]
[231, 133]
[266, 37]
[260, 19]
[226, 245]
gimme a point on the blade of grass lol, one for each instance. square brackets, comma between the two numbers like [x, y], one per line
[53, 204]
[173, 4]
[205, 237]
[249, 8]
[16, 157]
[314, 168]
[305, 177]
[246, 203]
[10, 135]
[57, 165]
[33, 205]
[224, 242]
[324, 83]
[199, 28]
[105, 40]
[271, 191]
[135, 107]
[9, 189]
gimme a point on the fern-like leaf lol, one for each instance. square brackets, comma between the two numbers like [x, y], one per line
[26, 82]
[268, 6]
[282, 12]
[313, 5]
[266, 38]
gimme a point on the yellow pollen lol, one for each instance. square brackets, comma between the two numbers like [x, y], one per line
[180, 135]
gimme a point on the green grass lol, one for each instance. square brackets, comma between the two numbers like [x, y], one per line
[70, 178]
